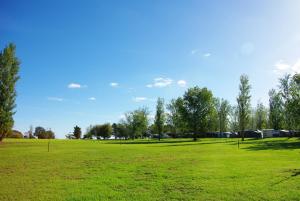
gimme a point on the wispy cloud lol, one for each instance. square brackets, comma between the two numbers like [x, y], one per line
[282, 67]
[139, 99]
[149, 85]
[55, 99]
[198, 52]
[76, 86]
[207, 54]
[92, 98]
[160, 82]
[181, 83]
[114, 84]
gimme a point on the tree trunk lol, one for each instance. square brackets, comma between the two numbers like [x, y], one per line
[159, 136]
[2, 136]
[243, 135]
[195, 136]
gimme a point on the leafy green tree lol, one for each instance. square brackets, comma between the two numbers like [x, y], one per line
[39, 131]
[294, 104]
[105, 131]
[77, 132]
[101, 131]
[137, 122]
[285, 92]
[49, 134]
[296, 78]
[252, 120]
[223, 108]
[42, 133]
[244, 107]
[160, 117]
[276, 117]
[120, 130]
[175, 121]
[261, 114]
[14, 134]
[88, 134]
[290, 93]
[234, 119]
[198, 104]
[114, 127]
[69, 136]
[9, 70]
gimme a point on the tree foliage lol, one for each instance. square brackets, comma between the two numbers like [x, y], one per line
[137, 122]
[223, 108]
[160, 117]
[197, 107]
[175, 120]
[42, 133]
[261, 114]
[77, 132]
[290, 93]
[101, 131]
[120, 131]
[276, 117]
[243, 100]
[9, 70]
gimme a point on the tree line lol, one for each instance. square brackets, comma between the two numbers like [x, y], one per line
[198, 111]
[193, 114]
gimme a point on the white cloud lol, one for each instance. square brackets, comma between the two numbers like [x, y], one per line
[75, 86]
[296, 67]
[92, 98]
[114, 84]
[160, 82]
[55, 99]
[207, 54]
[149, 85]
[282, 67]
[139, 99]
[181, 83]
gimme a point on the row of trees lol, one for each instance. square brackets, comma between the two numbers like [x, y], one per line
[285, 103]
[103, 131]
[40, 133]
[198, 112]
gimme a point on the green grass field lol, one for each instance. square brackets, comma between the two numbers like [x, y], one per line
[209, 169]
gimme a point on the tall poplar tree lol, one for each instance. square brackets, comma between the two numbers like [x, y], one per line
[159, 117]
[244, 107]
[9, 75]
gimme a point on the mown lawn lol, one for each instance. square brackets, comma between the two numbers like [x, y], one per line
[210, 169]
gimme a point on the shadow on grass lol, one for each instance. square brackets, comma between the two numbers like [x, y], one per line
[151, 142]
[173, 142]
[295, 173]
[199, 142]
[272, 145]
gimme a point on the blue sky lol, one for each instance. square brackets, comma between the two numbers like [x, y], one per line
[88, 62]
